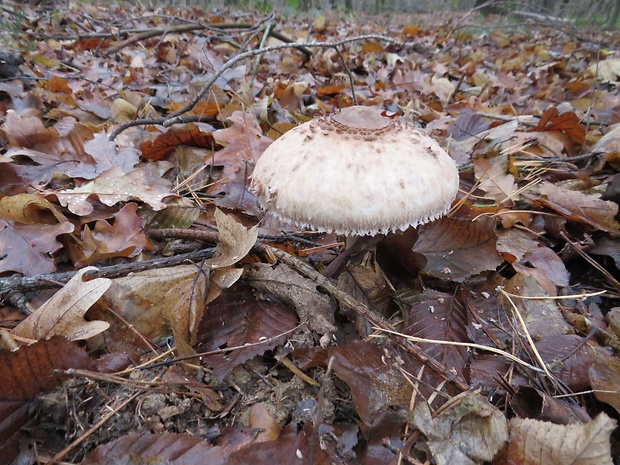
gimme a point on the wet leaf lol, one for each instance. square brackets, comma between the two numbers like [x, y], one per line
[144, 183]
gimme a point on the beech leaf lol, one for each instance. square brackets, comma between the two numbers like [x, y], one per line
[469, 432]
[534, 442]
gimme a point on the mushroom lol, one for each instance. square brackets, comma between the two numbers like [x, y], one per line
[357, 173]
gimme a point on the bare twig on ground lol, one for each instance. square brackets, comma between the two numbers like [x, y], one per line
[22, 284]
[177, 118]
[364, 311]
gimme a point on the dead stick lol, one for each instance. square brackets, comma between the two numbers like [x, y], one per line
[176, 117]
[363, 310]
[59, 456]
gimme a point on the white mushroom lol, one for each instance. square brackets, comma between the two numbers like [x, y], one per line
[356, 173]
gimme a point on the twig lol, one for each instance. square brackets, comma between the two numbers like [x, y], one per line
[153, 33]
[364, 311]
[46, 281]
[349, 73]
[176, 118]
[268, 27]
[56, 458]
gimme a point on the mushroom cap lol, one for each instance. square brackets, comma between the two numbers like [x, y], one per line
[355, 172]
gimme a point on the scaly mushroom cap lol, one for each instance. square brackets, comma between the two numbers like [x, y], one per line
[355, 172]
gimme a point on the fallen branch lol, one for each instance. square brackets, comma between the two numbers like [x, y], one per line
[363, 310]
[176, 118]
[12, 289]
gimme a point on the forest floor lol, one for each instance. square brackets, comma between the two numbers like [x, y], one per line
[151, 312]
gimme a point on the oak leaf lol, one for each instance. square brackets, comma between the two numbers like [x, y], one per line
[63, 313]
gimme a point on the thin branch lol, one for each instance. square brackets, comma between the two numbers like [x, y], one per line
[364, 311]
[176, 118]
[45, 281]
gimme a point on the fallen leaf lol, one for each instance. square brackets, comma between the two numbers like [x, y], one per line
[236, 318]
[38, 367]
[494, 181]
[63, 314]
[261, 419]
[140, 300]
[125, 238]
[315, 310]
[235, 241]
[165, 143]
[457, 249]
[468, 431]
[534, 442]
[28, 248]
[144, 183]
[567, 123]
[580, 206]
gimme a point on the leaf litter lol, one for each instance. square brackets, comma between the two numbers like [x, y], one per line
[243, 352]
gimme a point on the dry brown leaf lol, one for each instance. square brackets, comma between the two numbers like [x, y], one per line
[315, 309]
[494, 181]
[438, 316]
[144, 183]
[183, 307]
[244, 144]
[237, 318]
[235, 241]
[166, 449]
[498, 133]
[63, 314]
[468, 432]
[545, 265]
[30, 209]
[566, 123]
[513, 244]
[610, 142]
[458, 249]
[373, 376]
[122, 111]
[580, 206]
[261, 419]
[164, 144]
[140, 299]
[125, 238]
[607, 70]
[534, 442]
[604, 373]
[105, 155]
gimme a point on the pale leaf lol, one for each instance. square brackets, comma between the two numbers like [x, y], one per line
[471, 431]
[63, 314]
[494, 181]
[534, 442]
[235, 241]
